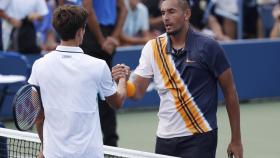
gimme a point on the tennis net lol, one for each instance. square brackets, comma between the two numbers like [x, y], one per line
[17, 144]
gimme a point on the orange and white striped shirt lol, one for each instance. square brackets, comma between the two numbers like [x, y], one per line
[186, 84]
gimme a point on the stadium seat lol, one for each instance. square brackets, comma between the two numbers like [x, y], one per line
[11, 63]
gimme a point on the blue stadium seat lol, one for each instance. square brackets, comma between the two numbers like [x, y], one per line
[11, 63]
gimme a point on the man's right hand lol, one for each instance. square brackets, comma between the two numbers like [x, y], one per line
[110, 44]
[41, 154]
[119, 71]
[16, 23]
[276, 12]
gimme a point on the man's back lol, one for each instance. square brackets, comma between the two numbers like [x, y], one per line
[69, 87]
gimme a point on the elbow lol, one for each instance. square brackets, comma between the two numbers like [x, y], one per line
[125, 12]
[136, 97]
[40, 18]
[118, 103]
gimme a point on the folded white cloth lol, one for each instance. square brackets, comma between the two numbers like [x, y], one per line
[11, 78]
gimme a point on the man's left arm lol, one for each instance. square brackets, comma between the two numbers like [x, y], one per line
[121, 15]
[232, 104]
[40, 11]
[39, 126]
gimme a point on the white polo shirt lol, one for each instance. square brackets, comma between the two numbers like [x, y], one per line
[69, 81]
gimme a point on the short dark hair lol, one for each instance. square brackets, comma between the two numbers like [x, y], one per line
[184, 4]
[68, 19]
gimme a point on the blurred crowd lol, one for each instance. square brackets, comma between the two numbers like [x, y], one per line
[26, 24]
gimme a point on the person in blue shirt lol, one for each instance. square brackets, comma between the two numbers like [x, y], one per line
[1, 45]
[104, 25]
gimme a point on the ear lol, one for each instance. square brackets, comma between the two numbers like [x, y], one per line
[188, 14]
[80, 32]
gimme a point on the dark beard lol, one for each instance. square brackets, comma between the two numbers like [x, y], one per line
[174, 33]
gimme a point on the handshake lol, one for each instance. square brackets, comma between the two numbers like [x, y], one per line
[123, 71]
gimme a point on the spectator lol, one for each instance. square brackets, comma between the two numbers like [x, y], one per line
[226, 12]
[110, 15]
[203, 20]
[136, 26]
[156, 24]
[275, 32]
[45, 32]
[14, 11]
[250, 19]
[265, 9]
[1, 45]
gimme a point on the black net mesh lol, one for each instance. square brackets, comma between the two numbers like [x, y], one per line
[17, 144]
[11, 148]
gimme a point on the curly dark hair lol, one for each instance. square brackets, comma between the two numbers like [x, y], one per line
[68, 19]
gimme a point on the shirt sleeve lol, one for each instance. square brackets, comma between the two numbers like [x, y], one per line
[107, 86]
[216, 58]
[4, 4]
[33, 77]
[144, 68]
[41, 8]
[145, 18]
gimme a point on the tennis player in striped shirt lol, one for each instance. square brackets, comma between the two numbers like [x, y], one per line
[186, 67]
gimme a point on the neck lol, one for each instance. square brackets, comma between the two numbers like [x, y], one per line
[179, 39]
[70, 43]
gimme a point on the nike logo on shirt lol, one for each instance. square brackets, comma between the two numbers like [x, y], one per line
[190, 61]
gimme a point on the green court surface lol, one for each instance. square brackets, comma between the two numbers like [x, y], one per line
[260, 125]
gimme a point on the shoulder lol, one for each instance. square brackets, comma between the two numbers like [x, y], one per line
[204, 42]
[93, 60]
[162, 38]
[204, 39]
[152, 44]
[43, 59]
[142, 7]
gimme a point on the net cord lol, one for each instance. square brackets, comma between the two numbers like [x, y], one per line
[120, 152]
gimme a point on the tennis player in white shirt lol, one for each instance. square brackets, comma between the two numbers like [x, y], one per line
[69, 82]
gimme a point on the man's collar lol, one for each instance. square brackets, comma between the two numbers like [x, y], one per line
[187, 43]
[69, 49]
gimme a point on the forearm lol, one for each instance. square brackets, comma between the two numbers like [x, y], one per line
[157, 21]
[117, 100]
[39, 126]
[60, 2]
[233, 110]
[127, 40]
[122, 90]
[141, 84]
[35, 16]
[92, 22]
[138, 92]
[215, 26]
[4, 16]
[232, 105]
[275, 30]
[121, 15]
